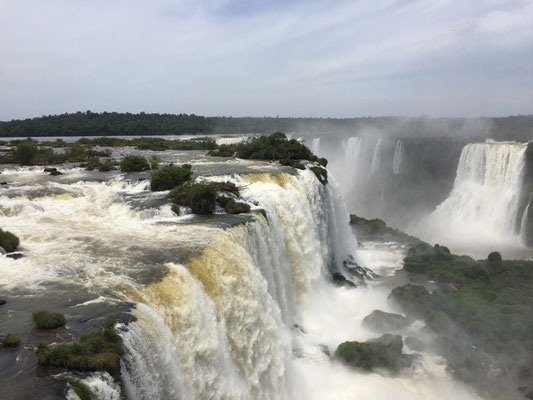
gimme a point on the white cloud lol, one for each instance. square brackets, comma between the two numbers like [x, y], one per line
[326, 57]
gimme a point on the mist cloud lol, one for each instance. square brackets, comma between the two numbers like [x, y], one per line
[296, 58]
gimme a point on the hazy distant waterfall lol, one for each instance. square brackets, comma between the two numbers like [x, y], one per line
[353, 150]
[397, 161]
[376, 158]
[525, 216]
[315, 145]
[487, 187]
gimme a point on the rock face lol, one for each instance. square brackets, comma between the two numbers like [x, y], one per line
[381, 321]
[384, 352]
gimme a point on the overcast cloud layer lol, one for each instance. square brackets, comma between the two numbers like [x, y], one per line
[290, 58]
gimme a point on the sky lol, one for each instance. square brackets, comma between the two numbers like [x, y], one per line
[314, 58]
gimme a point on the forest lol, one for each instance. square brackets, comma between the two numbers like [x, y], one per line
[90, 123]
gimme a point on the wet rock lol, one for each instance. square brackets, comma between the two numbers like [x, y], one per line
[414, 343]
[381, 321]
[3, 183]
[2, 302]
[55, 173]
[299, 328]
[50, 169]
[325, 349]
[384, 352]
[340, 280]
[15, 256]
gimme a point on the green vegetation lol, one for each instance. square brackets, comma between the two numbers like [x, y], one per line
[321, 174]
[25, 152]
[480, 310]
[154, 161]
[272, 147]
[96, 163]
[121, 124]
[44, 319]
[377, 230]
[233, 207]
[169, 177]
[202, 197]
[98, 350]
[224, 150]
[134, 163]
[381, 321]
[10, 340]
[292, 163]
[384, 352]
[8, 241]
[83, 390]
[436, 263]
[106, 124]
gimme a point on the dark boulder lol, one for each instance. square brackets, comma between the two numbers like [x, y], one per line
[414, 299]
[381, 321]
[15, 256]
[2, 302]
[55, 173]
[384, 352]
[50, 169]
[414, 343]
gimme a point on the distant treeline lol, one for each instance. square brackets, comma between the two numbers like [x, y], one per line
[123, 124]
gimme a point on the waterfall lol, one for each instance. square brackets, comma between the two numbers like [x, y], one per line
[376, 158]
[525, 217]
[315, 145]
[487, 188]
[352, 154]
[218, 326]
[397, 160]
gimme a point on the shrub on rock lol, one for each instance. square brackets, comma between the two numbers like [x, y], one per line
[8, 241]
[321, 174]
[169, 177]
[384, 352]
[83, 391]
[133, 163]
[233, 207]
[48, 320]
[200, 197]
[98, 350]
[10, 340]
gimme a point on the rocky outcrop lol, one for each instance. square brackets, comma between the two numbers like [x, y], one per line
[381, 321]
[384, 352]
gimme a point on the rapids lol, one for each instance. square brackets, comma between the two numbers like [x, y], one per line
[225, 307]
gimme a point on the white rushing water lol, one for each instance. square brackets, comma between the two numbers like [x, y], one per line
[315, 145]
[375, 165]
[484, 203]
[219, 325]
[397, 160]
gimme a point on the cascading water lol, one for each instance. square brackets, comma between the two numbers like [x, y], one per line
[228, 312]
[220, 323]
[397, 160]
[375, 165]
[483, 205]
[524, 220]
[352, 154]
[315, 145]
